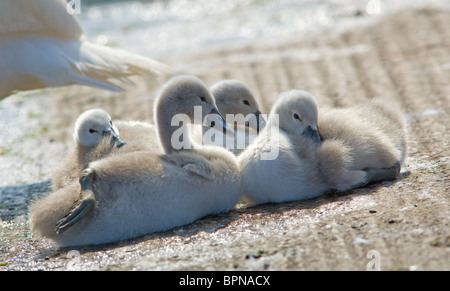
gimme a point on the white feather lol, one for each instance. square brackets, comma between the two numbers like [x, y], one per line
[42, 45]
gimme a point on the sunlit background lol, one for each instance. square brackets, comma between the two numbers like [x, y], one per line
[158, 28]
[273, 45]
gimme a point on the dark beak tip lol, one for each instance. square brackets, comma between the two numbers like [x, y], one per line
[121, 144]
[313, 134]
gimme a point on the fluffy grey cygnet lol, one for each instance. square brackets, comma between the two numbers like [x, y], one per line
[238, 105]
[97, 136]
[345, 155]
[128, 195]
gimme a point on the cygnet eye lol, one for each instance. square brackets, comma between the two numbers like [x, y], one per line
[92, 130]
[203, 98]
[297, 117]
[213, 123]
[246, 102]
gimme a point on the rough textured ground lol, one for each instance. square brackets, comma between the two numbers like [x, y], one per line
[405, 57]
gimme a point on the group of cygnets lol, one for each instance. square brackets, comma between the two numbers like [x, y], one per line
[127, 178]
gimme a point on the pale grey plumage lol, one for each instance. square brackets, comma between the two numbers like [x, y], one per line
[142, 192]
[239, 106]
[92, 144]
[376, 131]
[42, 45]
[307, 165]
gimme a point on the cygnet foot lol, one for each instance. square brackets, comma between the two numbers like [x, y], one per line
[85, 204]
[376, 175]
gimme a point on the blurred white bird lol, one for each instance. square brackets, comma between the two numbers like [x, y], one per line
[42, 45]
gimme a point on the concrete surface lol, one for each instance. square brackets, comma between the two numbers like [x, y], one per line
[403, 224]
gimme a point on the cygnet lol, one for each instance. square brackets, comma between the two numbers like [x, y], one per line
[125, 196]
[291, 161]
[376, 132]
[238, 105]
[97, 136]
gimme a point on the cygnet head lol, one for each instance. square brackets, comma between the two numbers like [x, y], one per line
[234, 97]
[92, 125]
[298, 114]
[181, 95]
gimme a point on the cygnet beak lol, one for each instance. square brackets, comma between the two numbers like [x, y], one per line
[115, 137]
[214, 117]
[312, 133]
[227, 129]
[260, 121]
